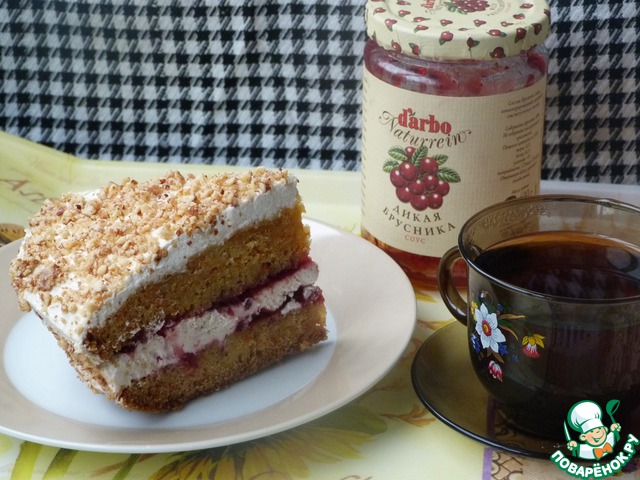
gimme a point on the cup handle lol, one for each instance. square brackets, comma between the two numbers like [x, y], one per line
[450, 294]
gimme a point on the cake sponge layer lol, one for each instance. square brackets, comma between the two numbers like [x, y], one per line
[248, 259]
[261, 344]
[84, 254]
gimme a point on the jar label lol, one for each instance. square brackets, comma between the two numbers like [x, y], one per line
[430, 162]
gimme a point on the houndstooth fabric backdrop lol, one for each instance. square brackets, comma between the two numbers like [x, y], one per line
[277, 82]
[593, 113]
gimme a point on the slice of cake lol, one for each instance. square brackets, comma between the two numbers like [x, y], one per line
[164, 291]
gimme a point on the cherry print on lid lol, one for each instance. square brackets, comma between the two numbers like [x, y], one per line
[498, 52]
[491, 23]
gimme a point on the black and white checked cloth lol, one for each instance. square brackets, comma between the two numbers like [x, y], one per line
[255, 82]
[277, 82]
[593, 113]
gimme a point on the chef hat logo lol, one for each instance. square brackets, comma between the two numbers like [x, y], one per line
[585, 416]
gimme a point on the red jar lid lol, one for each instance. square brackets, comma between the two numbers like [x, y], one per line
[458, 29]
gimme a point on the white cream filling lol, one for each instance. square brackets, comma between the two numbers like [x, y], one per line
[73, 326]
[190, 335]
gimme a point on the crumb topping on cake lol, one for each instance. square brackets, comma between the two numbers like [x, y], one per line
[80, 249]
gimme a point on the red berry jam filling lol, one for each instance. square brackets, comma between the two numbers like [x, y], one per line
[302, 296]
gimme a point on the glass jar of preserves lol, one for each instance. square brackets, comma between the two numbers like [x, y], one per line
[454, 97]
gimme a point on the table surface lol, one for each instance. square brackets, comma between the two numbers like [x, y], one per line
[386, 433]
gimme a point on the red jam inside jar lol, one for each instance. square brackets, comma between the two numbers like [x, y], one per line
[456, 78]
[429, 52]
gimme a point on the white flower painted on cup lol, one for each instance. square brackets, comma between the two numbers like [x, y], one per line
[487, 328]
[488, 337]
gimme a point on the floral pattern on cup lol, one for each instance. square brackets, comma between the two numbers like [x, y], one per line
[493, 328]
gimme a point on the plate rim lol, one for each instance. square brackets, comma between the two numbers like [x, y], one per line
[82, 436]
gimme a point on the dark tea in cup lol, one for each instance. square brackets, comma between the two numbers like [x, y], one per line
[572, 265]
[553, 306]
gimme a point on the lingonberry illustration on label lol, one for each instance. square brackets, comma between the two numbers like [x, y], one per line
[429, 162]
[419, 179]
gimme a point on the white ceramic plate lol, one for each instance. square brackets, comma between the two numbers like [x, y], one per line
[372, 313]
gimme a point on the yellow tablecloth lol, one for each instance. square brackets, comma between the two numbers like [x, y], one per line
[384, 434]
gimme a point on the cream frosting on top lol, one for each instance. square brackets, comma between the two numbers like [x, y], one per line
[85, 253]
